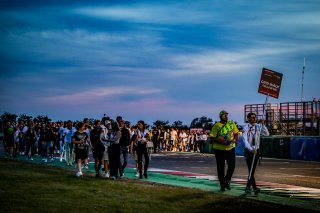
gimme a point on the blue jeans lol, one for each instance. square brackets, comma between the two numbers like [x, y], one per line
[124, 152]
[69, 152]
[45, 146]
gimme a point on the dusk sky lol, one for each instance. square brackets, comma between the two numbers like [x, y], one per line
[154, 60]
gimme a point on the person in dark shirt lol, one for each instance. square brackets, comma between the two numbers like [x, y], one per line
[79, 140]
[30, 136]
[97, 146]
[47, 137]
[125, 142]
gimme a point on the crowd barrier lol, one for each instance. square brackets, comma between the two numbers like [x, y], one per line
[284, 147]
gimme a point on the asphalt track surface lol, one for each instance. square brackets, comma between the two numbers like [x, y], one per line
[288, 182]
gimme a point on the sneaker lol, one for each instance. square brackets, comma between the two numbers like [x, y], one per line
[86, 167]
[79, 174]
[31, 158]
[256, 191]
[137, 174]
[51, 160]
[145, 175]
[227, 185]
[45, 160]
[60, 159]
[247, 190]
[107, 175]
[113, 178]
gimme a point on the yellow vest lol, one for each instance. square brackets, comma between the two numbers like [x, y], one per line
[230, 128]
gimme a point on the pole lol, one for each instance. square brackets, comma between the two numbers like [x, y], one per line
[254, 155]
[304, 65]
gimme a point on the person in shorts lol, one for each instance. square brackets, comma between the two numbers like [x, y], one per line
[79, 140]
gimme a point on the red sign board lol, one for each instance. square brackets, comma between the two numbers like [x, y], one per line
[270, 83]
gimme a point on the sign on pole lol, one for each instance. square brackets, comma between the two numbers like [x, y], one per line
[270, 83]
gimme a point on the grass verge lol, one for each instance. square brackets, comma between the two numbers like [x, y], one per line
[26, 187]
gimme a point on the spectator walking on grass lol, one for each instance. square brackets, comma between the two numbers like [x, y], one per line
[79, 139]
[125, 142]
[141, 139]
[67, 138]
[114, 150]
[104, 136]
[31, 137]
[47, 138]
[97, 146]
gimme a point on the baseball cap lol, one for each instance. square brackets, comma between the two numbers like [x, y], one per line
[223, 112]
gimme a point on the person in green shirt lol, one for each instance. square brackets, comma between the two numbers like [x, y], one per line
[224, 134]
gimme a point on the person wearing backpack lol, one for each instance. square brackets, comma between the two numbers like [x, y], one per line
[224, 134]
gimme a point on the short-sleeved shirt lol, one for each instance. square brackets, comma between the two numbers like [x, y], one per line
[230, 127]
[78, 136]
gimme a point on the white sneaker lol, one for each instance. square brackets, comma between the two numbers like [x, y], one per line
[79, 174]
[60, 159]
[31, 158]
[86, 167]
[137, 174]
[107, 175]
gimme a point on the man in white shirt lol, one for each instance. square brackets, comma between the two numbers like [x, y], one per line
[251, 138]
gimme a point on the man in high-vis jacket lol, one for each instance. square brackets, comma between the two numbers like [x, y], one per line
[224, 134]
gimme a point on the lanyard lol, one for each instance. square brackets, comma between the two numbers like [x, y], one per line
[253, 135]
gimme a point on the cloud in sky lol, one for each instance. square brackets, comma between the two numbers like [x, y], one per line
[166, 60]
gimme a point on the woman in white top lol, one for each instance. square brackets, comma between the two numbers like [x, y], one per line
[141, 139]
[114, 150]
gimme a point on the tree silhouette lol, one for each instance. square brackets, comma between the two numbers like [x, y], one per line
[203, 122]
[24, 117]
[178, 124]
[5, 117]
[42, 119]
[159, 123]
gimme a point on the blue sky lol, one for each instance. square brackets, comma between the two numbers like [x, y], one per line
[154, 60]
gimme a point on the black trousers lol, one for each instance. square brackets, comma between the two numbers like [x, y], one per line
[249, 158]
[142, 151]
[114, 159]
[202, 146]
[222, 156]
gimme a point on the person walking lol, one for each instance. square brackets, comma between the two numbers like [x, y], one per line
[114, 150]
[79, 139]
[125, 142]
[141, 139]
[67, 138]
[224, 134]
[251, 138]
[47, 137]
[30, 141]
[97, 146]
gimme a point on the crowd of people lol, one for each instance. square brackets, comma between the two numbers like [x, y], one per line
[109, 139]
[67, 139]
